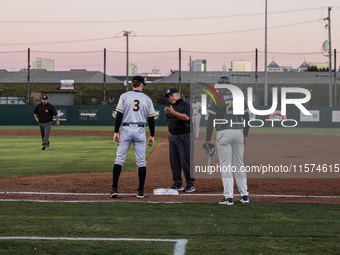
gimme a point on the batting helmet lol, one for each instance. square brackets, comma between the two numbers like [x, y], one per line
[224, 79]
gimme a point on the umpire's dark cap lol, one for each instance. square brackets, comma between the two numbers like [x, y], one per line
[138, 79]
[171, 91]
[45, 97]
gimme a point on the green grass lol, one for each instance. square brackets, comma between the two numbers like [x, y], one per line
[22, 156]
[61, 127]
[256, 228]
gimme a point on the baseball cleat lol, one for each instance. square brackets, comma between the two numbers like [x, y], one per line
[244, 199]
[189, 189]
[114, 193]
[140, 194]
[174, 186]
[44, 147]
[226, 201]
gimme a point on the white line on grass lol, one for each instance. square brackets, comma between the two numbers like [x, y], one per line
[179, 249]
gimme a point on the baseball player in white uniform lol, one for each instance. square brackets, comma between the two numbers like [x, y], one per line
[196, 116]
[230, 140]
[134, 109]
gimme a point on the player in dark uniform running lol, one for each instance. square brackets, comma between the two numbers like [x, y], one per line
[231, 133]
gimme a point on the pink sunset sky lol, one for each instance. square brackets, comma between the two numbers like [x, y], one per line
[74, 33]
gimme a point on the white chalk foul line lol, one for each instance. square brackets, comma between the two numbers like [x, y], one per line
[179, 249]
[184, 194]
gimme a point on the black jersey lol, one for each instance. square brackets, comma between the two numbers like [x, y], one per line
[225, 113]
[45, 112]
[175, 125]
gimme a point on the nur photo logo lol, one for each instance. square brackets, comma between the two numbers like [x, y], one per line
[238, 103]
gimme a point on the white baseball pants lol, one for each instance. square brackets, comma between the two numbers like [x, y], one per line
[137, 136]
[230, 148]
[196, 123]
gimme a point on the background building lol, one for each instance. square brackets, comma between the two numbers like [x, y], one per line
[273, 67]
[240, 66]
[43, 63]
[132, 69]
[303, 67]
[288, 69]
[154, 73]
[199, 65]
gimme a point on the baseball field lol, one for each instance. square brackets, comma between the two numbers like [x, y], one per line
[57, 201]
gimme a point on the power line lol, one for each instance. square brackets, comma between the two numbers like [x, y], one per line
[159, 36]
[162, 52]
[145, 52]
[75, 41]
[229, 32]
[67, 52]
[294, 53]
[19, 51]
[207, 52]
[155, 20]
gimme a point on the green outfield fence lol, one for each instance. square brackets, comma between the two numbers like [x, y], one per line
[97, 115]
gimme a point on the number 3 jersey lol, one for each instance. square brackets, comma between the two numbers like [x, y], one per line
[135, 106]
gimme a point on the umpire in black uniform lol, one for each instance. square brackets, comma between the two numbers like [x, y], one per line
[180, 130]
[45, 111]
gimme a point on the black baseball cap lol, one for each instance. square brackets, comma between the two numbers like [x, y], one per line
[171, 91]
[138, 79]
[45, 97]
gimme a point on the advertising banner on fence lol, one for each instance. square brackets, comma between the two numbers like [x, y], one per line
[88, 114]
[61, 115]
[315, 117]
[335, 116]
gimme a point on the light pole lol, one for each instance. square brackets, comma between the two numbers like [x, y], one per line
[265, 61]
[104, 99]
[126, 33]
[179, 72]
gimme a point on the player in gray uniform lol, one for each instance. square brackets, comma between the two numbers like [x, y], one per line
[134, 109]
[196, 116]
[230, 140]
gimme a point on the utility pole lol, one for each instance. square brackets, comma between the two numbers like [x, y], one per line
[328, 26]
[330, 56]
[179, 73]
[265, 61]
[126, 33]
[190, 63]
[28, 76]
[256, 74]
